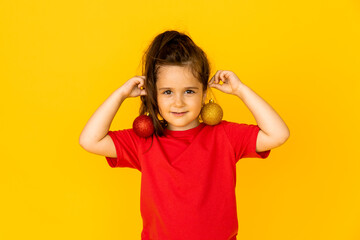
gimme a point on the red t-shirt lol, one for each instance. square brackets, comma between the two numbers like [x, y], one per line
[188, 178]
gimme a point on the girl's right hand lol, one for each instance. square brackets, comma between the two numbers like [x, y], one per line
[132, 87]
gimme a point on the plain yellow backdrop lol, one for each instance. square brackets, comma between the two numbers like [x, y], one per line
[61, 59]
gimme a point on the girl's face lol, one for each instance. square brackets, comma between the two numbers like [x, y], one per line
[178, 91]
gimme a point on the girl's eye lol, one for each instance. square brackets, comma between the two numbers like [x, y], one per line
[191, 91]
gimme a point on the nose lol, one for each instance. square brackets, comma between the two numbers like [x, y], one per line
[179, 101]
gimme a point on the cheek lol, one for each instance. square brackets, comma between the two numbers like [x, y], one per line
[198, 102]
[161, 104]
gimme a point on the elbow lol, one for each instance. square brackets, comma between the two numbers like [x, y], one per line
[85, 146]
[280, 138]
[82, 142]
[287, 135]
[284, 137]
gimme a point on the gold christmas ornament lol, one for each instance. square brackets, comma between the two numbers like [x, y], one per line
[211, 113]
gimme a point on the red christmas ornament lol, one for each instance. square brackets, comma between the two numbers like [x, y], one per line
[143, 126]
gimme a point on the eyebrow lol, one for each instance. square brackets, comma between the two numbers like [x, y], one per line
[172, 88]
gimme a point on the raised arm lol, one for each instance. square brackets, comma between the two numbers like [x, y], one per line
[273, 130]
[93, 137]
[99, 124]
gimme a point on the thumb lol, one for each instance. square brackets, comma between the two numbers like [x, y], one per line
[216, 85]
[143, 92]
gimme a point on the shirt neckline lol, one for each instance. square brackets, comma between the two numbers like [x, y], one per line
[184, 133]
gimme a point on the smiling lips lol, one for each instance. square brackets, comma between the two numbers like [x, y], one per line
[179, 114]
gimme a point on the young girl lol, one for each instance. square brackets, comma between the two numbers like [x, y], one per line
[188, 168]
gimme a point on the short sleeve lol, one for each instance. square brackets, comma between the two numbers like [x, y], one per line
[126, 143]
[243, 139]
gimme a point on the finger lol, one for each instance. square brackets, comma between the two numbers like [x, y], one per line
[221, 75]
[137, 81]
[217, 86]
[211, 80]
[217, 76]
[213, 85]
[141, 83]
[225, 76]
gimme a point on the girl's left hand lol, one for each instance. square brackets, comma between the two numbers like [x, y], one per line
[231, 83]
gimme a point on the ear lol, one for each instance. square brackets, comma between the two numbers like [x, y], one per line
[204, 97]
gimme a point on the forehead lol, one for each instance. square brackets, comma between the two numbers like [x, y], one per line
[172, 76]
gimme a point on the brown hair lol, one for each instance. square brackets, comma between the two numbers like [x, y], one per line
[170, 48]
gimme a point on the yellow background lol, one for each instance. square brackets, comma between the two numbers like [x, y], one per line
[61, 59]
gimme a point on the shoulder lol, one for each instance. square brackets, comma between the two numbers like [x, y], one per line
[229, 125]
[128, 135]
[236, 130]
[224, 124]
[230, 128]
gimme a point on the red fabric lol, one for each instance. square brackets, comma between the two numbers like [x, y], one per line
[188, 178]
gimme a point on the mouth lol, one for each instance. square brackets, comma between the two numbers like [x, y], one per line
[178, 114]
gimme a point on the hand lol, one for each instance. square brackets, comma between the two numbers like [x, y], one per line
[132, 87]
[231, 83]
